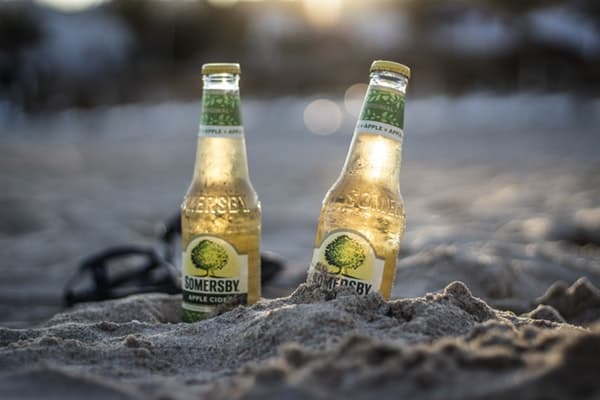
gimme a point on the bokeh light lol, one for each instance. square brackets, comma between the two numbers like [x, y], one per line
[223, 3]
[323, 13]
[353, 98]
[70, 5]
[322, 117]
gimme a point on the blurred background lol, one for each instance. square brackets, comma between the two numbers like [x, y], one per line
[58, 54]
[99, 105]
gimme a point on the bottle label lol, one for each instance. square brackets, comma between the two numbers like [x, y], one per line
[213, 273]
[346, 258]
[382, 113]
[221, 116]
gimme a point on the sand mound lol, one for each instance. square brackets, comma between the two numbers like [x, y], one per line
[315, 343]
[495, 361]
[509, 276]
[579, 303]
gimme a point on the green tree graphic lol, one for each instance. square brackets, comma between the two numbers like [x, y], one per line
[209, 257]
[344, 253]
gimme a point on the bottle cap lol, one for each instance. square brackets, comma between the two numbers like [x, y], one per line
[220, 68]
[383, 65]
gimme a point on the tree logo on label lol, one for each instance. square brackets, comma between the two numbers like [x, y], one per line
[209, 257]
[344, 254]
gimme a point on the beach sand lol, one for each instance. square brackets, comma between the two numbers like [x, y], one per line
[509, 207]
[314, 344]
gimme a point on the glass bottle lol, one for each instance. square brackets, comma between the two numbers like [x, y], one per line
[362, 218]
[220, 214]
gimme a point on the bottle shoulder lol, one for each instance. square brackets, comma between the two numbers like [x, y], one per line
[363, 186]
[358, 195]
[201, 186]
[221, 197]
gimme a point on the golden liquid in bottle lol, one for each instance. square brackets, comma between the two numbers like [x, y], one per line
[366, 198]
[221, 202]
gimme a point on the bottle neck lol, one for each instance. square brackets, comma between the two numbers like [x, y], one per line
[221, 115]
[376, 150]
[383, 108]
[221, 151]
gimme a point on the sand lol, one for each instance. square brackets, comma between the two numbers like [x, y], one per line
[509, 206]
[313, 344]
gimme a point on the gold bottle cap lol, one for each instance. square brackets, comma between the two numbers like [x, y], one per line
[220, 68]
[383, 65]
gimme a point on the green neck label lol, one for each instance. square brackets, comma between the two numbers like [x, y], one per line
[382, 113]
[221, 115]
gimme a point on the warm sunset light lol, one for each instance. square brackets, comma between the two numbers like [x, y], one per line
[223, 3]
[70, 5]
[323, 13]
[320, 13]
[379, 155]
[305, 199]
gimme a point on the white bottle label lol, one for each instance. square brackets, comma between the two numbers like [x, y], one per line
[220, 131]
[379, 128]
[346, 258]
[213, 273]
